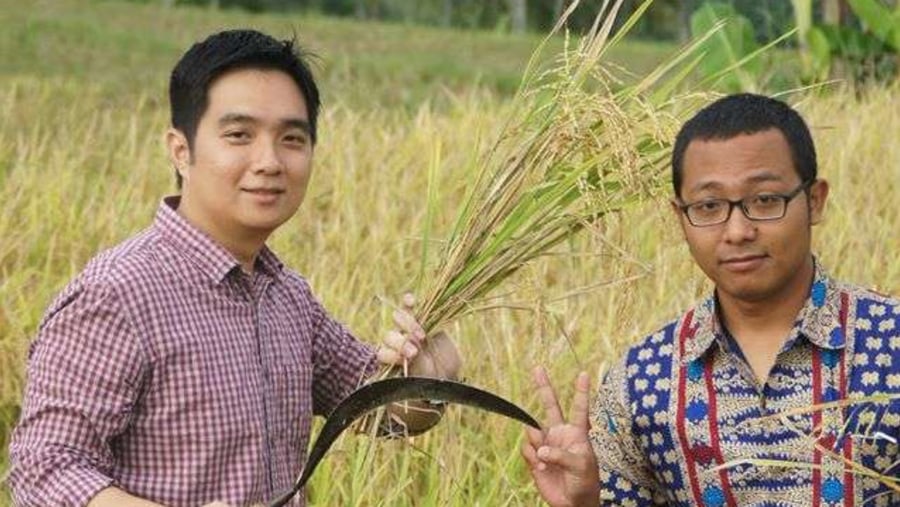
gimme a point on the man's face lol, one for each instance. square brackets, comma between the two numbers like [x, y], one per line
[750, 261]
[251, 159]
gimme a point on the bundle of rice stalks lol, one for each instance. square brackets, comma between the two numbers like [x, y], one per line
[585, 139]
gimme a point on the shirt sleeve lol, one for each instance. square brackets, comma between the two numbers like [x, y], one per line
[626, 477]
[84, 370]
[341, 363]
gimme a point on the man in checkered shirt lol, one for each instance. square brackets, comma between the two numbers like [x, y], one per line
[183, 366]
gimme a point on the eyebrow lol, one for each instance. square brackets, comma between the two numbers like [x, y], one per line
[290, 122]
[756, 178]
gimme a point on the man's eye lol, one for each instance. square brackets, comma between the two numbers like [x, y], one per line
[237, 135]
[765, 199]
[296, 139]
[708, 206]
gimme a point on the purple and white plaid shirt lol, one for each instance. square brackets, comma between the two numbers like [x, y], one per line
[166, 371]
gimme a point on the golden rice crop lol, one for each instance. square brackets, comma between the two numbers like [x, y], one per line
[79, 172]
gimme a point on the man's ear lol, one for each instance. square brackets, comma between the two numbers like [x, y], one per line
[179, 151]
[675, 206]
[818, 194]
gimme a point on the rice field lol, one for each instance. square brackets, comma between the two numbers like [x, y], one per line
[82, 111]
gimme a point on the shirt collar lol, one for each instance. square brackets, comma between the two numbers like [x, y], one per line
[213, 260]
[818, 321]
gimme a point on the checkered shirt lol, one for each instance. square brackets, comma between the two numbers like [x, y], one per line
[166, 371]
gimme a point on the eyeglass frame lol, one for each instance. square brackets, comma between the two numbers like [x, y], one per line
[788, 197]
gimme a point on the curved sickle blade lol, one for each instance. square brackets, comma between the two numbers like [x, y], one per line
[391, 390]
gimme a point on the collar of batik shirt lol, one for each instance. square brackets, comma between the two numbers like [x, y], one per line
[819, 321]
[211, 258]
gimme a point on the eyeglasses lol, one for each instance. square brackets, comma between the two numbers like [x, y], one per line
[755, 207]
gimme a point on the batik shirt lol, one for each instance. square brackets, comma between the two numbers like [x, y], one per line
[682, 420]
[165, 370]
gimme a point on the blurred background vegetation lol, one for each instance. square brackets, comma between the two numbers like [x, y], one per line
[407, 85]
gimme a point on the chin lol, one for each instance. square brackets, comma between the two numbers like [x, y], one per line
[751, 293]
[265, 224]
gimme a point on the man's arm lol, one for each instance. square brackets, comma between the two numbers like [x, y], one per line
[84, 373]
[115, 497]
[626, 476]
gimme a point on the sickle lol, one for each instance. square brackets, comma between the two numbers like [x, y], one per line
[391, 390]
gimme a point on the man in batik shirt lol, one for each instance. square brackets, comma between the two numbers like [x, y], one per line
[739, 401]
[183, 366]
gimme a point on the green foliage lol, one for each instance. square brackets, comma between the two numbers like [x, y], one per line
[730, 44]
[883, 24]
[864, 53]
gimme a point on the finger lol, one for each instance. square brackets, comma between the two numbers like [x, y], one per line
[529, 452]
[409, 301]
[581, 402]
[408, 323]
[535, 437]
[575, 463]
[438, 357]
[399, 343]
[387, 355]
[547, 396]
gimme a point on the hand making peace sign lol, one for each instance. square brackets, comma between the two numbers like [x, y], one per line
[560, 457]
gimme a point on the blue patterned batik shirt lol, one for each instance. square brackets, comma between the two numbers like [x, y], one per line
[682, 420]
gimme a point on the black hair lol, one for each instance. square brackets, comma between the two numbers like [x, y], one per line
[747, 113]
[230, 50]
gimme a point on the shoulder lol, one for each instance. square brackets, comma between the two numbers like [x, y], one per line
[121, 283]
[652, 352]
[297, 289]
[128, 265]
[644, 371]
[872, 314]
[296, 282]
[874, 321]
[870, 302]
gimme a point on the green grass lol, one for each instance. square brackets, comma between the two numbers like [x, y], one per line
[82, 110]
[130, 48]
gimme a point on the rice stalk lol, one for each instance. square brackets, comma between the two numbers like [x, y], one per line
[891, 481]
[580, 143]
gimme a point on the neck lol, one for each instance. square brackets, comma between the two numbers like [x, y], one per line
[243, 245]
[761, 327]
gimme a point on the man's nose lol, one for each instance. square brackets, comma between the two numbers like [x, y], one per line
[739, 228]
[267, 159]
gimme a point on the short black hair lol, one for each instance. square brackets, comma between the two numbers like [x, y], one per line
[747, 113]
[230, 50]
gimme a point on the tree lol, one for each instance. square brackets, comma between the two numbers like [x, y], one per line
[518, 21]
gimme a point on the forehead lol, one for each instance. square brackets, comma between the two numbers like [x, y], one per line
[737, 162]
[255, 92]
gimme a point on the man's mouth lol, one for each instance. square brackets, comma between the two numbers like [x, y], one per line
[743, 262]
